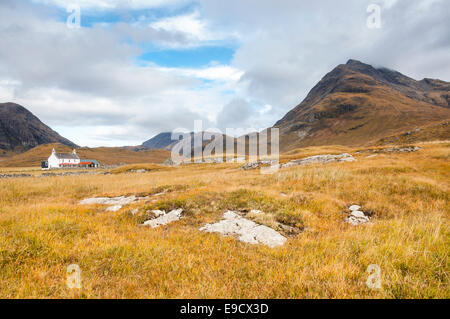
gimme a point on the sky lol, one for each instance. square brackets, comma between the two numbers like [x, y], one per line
[135, 68]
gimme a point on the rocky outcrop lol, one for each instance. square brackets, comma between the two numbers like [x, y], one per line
[163, 218]
[255, 165]
[320, 159]
[245, 230]
[407, 149]
[114, 203]
[317, 159]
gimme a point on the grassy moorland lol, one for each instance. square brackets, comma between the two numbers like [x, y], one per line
[43, 230]
[105, 155]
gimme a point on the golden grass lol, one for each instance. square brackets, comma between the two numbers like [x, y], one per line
[43, 230]
[142, 166]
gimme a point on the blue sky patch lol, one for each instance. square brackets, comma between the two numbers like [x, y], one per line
[190, 58]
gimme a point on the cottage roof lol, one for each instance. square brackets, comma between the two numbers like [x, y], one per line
[67, 156]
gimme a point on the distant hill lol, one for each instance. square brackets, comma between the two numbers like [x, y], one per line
[356, 104]
[164, 141]
[105, 155]
[20, 130]
[160, 141]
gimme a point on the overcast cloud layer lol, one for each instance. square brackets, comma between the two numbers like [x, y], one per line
[106, 84]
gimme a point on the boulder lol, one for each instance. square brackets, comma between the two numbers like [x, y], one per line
[245, 230]
[164, 219]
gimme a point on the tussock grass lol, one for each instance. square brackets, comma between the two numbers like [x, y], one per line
[43, 230]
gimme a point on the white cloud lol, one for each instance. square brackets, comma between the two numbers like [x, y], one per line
[196, 28]
[222, 73]
[190, 24]
[112, 4]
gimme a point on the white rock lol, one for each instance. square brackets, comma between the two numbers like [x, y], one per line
[358, 214]
[165, 219]
[121, 200]
[255, 211]
[135, 211]
[114, 208]
[320, 159]
[245, 230]
[158, 212]
[354, 207]
[357, 217]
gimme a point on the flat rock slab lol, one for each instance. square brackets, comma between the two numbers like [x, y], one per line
[408, 149]
[255, 165]
[321, 159]
[114, 203]
[245, 230]
[121, 200]
[164, 218]
[114, 208]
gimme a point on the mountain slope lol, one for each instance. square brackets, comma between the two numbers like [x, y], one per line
[356, 103]
[160, 141]
[164, 141]
[20, 130]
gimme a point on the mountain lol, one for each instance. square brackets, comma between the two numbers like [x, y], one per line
[356, 104]
[164, 140]
[160, 141]
[20, 130]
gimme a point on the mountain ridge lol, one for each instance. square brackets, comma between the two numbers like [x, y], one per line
[21, 130]
[356, 103]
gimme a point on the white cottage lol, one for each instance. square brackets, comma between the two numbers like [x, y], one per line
[59, 160]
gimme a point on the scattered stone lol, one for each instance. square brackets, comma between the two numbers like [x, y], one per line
[15, 175]
[245, 230]
[135, 211]
[68, 174]
[263, 163]
[357, 217]
[408, 149]
[322, 159]
[164, 219]
[255, 211]
[250, 165]
[372, 156]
